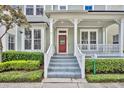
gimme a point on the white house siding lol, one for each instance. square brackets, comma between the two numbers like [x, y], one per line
[47, 39]
[115, 7]
[99, 7]
[112, 30]
[75, 7]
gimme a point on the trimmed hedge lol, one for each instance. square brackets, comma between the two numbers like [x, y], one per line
[26, 65]
[21, 76]
[105, 78]
[105, 66]
[16, 55]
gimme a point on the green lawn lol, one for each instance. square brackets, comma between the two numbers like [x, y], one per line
[105, 78]
[21, 76]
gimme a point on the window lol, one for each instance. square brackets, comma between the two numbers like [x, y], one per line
[88, 7]
[62, 7]
[33, 37]
[28, 39]
[29, 10]
[115, 39]
[11, 42]
[37, 39]
[39, 10]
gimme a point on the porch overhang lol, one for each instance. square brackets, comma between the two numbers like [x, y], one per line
[85, 14]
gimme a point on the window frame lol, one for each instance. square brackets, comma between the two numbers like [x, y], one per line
[10, 42]
[34, 10]
[41, 6]
[33, 39]
[38, 39]
[26, 10]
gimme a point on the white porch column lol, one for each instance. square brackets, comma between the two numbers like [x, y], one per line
[75, 35]
[121, 36]
[104, 35]
[51, 31]
[16, 38]
[23, 36]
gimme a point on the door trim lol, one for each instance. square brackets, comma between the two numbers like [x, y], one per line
[59, 29]
[89, 30]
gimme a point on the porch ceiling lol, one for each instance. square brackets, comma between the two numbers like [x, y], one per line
[96, 23]
[85, 23]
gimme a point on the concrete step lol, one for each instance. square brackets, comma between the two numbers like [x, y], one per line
[64, 75]
[63, 57]
[64, 69]
[63, 64]
[63, 60]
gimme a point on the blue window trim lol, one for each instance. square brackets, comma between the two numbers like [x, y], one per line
[88, 7]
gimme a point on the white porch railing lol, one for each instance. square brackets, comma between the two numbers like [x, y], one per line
[81, 60]
[100, 48]
[50, 52]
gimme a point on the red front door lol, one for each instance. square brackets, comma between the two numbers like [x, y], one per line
[62, 43]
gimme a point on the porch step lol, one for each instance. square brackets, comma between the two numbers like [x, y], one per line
[64, 74]
[64, 66]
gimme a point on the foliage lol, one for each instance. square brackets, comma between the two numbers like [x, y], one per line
[16, 55]
[21, 76]
[106, 66]
[19, 65]
[105, 78]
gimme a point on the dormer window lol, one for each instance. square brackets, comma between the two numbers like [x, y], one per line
[88, 7]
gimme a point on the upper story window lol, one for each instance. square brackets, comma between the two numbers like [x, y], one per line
[29, 10]
[88, 7]
[39, 10]
[62, 7]
[11, 42]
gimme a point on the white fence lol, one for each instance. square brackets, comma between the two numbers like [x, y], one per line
[47, 58]
[81, 60]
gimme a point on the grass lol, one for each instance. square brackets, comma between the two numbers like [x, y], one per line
[105, 78]
[21, 76]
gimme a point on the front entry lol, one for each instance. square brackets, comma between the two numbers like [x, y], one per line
[62, 41]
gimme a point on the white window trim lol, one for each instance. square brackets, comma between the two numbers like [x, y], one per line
[12, 42]
[32, 45]
[34, 12]
[65, 29]
[88, 5]
[89, 30]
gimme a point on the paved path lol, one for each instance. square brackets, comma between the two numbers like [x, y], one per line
[63, 83]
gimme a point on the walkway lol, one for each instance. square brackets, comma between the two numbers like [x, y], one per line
[63, 83]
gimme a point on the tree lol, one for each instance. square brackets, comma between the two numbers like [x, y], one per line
[9, 18]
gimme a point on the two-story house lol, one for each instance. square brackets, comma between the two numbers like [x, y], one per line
[68, 33]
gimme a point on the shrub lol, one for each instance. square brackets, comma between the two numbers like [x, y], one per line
[16, 55]
[19, 65]
[105, 78]
[106, 66]
[21, 76]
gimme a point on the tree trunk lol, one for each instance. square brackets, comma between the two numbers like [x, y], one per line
[1, 48]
